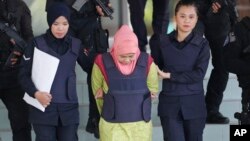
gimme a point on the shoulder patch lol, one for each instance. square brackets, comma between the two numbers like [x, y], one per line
[26, 58]
[232, 37]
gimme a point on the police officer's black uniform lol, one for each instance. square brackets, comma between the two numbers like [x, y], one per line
[182, 108]
[16, 15]
[237, 60]
[216, 27]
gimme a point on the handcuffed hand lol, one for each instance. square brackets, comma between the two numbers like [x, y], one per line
[162, 74]
[153, 95]
[99, 94]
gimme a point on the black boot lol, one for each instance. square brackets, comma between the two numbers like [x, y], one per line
[216, 118]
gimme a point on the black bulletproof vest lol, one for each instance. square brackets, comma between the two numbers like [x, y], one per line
[63, 88]
[128, 98]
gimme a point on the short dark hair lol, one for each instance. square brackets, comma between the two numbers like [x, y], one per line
[186, 3]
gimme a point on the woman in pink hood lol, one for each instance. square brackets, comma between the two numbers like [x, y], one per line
[124, 81]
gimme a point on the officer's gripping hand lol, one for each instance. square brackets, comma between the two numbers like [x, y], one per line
[16, 54]
[216, 7]
[162, 74]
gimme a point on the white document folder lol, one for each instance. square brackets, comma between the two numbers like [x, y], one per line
[44, 69]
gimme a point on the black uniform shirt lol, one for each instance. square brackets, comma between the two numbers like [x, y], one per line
[176, 43]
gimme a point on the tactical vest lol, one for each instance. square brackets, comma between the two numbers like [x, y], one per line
[181, 60]
[128, 98]
[63, 88]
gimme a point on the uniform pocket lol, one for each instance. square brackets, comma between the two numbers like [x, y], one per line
[146, 109]
[195, 87]
[71, 88]
[168, 86]
[108, 110]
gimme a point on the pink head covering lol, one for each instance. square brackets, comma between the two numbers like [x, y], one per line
[125, 42]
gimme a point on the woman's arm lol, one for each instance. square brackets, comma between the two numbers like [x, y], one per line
[99, 85]
[152, 80]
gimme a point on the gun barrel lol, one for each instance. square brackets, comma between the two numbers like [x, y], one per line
[107, 11]
[13, 34]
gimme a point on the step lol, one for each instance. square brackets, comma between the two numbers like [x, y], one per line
[230, 104]
[212, 132]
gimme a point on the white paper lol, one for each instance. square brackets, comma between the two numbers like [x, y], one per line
[44, 69]
[34, 102]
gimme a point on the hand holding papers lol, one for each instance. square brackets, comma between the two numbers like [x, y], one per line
[44, 69]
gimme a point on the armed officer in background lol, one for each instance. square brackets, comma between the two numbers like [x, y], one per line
[237, 58]
[216, 19]
[15, 16]
[83, 23]
[160, 21]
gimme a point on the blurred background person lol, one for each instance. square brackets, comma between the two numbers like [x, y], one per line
[160, 21]
[14, 15]
[216, 19]
[237, 59]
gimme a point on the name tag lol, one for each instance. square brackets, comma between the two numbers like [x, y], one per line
[77, 5]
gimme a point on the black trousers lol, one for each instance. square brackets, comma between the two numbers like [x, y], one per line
[245, 100]
[56, 133]
[244, 115]
[219, 76]
[160, 20]
[17, 113]
[83, 28]
[178, 129]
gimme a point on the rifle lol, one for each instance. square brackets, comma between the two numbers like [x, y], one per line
[19, 46]
[106, 10]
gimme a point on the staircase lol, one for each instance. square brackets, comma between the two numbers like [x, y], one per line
[213, 132]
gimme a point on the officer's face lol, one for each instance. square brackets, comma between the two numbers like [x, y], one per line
[60, 27]
[186, 18]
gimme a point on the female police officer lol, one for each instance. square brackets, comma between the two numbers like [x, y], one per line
[61, 117]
